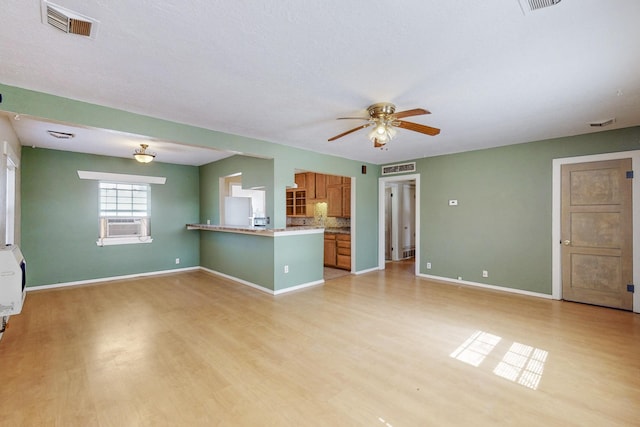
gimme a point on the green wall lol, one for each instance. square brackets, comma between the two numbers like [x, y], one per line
[503, 219]
[285, 159]
[60, 218]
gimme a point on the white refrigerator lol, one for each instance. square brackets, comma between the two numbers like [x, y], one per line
[237, 211]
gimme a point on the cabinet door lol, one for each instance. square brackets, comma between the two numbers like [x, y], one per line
[310, 182]
[300, 203]
[321, 186]
[334, 201]
[290, 203]
[330, 252]
[334, 180]
[301, 180]
[346, 201]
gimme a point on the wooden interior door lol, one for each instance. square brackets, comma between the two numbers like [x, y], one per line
[597, 233]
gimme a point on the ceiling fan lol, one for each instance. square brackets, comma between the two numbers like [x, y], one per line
[384, 119]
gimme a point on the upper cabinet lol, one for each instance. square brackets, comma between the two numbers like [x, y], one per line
[316, 187]
[338, 196]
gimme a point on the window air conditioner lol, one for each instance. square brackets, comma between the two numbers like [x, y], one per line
[125, 227]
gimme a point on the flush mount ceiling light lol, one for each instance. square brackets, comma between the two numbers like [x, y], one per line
[60, 135]
[602, 123]
[142, 155]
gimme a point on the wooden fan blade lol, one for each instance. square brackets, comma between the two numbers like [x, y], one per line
[349, 131]
[418, 128]
[408, 113]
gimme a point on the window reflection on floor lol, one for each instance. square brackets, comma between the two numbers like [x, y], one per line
[522, 364]
[476, 348]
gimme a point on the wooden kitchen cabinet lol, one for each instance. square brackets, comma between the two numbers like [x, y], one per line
[300, 180]
[334, 201]
[310, 182]
[333, 180]
[337, 250]
[296, 203]
[346, 200]
[343, 245]
[330, 250]
[321, 186]
[339, 197]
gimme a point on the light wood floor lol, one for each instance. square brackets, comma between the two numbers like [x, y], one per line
[382, 349]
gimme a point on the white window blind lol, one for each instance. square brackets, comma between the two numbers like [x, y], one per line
[124, 200]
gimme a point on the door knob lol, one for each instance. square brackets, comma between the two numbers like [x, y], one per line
[567, 242]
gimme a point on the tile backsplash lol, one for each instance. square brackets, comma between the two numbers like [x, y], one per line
[328, 222]
[319, 218]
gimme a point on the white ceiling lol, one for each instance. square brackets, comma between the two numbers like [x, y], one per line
[282, 71]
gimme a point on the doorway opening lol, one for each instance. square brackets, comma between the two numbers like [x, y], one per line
[399, 220]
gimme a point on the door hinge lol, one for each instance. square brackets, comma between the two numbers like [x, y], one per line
[629, 174]
[631, 288]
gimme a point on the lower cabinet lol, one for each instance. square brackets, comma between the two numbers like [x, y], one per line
[337, 250]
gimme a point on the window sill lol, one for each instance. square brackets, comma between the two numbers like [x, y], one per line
[110, 241]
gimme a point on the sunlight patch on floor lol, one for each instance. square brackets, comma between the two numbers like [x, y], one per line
[522, 364]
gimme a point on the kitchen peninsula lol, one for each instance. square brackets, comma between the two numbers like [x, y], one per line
[266, 259]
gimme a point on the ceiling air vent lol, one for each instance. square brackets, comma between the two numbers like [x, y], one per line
[531, 5]
[399, 168]
[68, 21]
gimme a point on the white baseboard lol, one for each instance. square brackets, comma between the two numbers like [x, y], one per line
[449, 281]
[262, 288]
[235, 279]
[298, 287]
[177, 270]
[108, 279]
[368, 270]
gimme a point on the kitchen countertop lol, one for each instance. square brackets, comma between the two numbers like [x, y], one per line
[258, 231]
[338, 230]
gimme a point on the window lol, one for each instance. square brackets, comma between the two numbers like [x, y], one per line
[124, 213]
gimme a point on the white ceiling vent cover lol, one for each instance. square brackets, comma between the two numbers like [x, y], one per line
[68, 21]
[531, 5]
[399, 168]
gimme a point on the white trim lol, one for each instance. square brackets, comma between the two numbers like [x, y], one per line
[235, 279]
[556, 266]
[121, 177]
[449, 281]
[352, 224]
[108, 279]
[112, 241]
[298, 287]
[368, 270]
[381, 215]
[8, 151]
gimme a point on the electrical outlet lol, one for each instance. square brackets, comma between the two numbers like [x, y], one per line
[459, 277]
[428, 266]
[286, 269]
[177, 260]
[208, 222]
[485, 273]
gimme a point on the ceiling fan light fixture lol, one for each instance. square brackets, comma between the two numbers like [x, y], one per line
[142, 155]
[382, 132]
